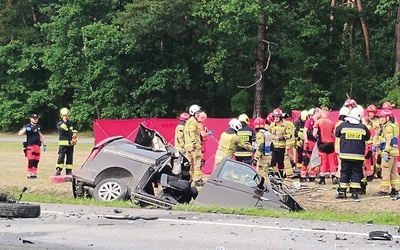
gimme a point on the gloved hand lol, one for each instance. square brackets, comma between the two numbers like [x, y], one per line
[28, 128]
[373, 148]
[184, 151]
[44, 148]
[385, 157]
[210, 132]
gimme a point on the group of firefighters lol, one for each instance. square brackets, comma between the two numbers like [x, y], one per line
[351, 152]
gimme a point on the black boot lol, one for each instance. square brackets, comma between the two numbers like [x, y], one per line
[335, 180]
[58, 171]
[354, 193]
[394, 192]
[302, 179]
[363, 185]
[341, 193]
[312, 179]
[322, 181]
[68, 171]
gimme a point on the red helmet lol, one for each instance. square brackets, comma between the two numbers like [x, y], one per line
[386, 112]
[350, 102]
[259, 122]
[270, 118]
[277, 112]
[387, 105]
[372, 108]
[184, 116]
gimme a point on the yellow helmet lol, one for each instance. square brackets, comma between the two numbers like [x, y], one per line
[64, 111]
[244, 118]
[304, 115]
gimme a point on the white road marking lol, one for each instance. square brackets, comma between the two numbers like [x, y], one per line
[238, 225]
[267, 227]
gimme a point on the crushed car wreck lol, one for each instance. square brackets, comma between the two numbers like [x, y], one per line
[119, 169]
[235, 184]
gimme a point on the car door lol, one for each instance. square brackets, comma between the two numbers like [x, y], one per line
[231, 184]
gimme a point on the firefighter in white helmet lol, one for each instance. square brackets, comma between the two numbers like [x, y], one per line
[229, 141]
[192, 135]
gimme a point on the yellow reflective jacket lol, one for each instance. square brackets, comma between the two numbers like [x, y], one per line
[389, 133]
[280, 133]
[192, 134]
[227, 145]
[180, 136]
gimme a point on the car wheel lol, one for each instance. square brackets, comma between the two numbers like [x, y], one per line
[110, 190]
[19, 210]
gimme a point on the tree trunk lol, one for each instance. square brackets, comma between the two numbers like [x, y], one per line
[33, 11]
[365, 31]
[260, 66]
[397, 70]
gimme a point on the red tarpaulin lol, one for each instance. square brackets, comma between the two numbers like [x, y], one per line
[128, 128]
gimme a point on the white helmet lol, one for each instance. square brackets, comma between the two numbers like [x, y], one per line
[344, 111]
[355, 113]
[311, 111]
[361, 109]
[235, 124]
[194, 109]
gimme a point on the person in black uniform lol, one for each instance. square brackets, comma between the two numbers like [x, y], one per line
[353, 135]
[34, 140]
[66, 141]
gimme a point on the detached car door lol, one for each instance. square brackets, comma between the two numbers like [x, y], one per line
[231, 184]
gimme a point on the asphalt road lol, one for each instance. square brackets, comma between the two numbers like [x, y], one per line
[66, 227]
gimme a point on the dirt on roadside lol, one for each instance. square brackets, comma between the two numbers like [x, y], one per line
[313, 196]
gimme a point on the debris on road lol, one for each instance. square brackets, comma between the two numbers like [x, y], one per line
[130, 217]
[380, 235]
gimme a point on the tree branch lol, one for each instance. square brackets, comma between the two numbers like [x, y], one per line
[266, 67]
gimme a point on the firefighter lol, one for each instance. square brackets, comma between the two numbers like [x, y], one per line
[353, 135]
[263, 146]
[289, 149]
[67, 139]
[343, 112]
[368, 173]
[390, 183]
[299, 137]
[309, 143]
[372, 113]
[193, 144]
[280, 133]
[205, 135]
[324, 131]
[179, 132]
[248, 136]
[229, 141]
[34, 140]
[350, 103]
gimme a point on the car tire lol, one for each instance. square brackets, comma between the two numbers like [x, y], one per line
[19, 210]
[111, 189]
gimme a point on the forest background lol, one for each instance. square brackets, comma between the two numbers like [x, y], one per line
[118, 59]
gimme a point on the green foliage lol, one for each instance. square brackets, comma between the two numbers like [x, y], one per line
[241, 103]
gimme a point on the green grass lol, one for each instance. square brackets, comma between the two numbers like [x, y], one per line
[325, 215]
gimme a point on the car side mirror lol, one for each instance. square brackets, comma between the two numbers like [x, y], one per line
[259, 180]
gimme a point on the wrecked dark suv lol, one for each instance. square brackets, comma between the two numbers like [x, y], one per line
[118, 169]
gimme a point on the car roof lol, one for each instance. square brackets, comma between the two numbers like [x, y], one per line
[124, 146]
